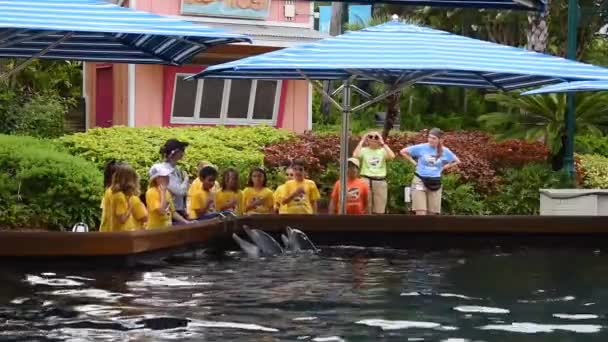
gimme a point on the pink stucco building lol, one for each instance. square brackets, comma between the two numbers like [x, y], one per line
[156, 95]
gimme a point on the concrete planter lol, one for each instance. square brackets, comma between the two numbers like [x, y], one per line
[589, 202]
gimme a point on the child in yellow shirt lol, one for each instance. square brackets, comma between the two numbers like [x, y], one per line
[257, 198]
[126, 212]
[196, 183]
[300, 195]
[278, 193]
[158, 199]
[108, 172]
[229, 198]
[202, 197]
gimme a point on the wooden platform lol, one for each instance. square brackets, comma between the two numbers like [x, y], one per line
[399, 231]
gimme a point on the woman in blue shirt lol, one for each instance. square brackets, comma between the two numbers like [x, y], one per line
[431, 159]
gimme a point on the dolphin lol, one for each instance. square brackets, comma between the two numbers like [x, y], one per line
[250, 249]
[263, 244]
[297, 241]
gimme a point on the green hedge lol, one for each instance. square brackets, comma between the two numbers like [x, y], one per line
[225, 147]
[39, 115]
[41, 187]
[519, 192]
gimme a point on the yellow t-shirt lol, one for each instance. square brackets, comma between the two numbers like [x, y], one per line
[156, 220]
[119, 206]
[106, 219]
[198, 200]
[138, 214]
[197, 184]
[278, 195]
[301, 204]
[223, 198]
[250, 194]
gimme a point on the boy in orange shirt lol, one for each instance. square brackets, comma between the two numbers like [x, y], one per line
[357, 194]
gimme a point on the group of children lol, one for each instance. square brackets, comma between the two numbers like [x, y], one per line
[124, 210]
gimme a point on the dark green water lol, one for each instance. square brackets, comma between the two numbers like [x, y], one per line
[454, 295]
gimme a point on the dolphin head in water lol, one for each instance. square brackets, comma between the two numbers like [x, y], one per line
[297, 241]
[263, 244]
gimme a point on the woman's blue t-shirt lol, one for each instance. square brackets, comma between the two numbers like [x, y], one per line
[427, 165]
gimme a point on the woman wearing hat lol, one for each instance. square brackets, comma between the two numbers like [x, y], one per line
[173, 151]
[431, 159]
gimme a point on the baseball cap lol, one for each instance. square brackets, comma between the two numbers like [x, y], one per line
[159, 170]
[354, 161]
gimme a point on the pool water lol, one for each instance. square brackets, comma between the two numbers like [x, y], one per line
[407, 295]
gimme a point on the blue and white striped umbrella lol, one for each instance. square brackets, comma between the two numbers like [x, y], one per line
[570, 87]
[95, 30]
[395, 52]
[523, 5]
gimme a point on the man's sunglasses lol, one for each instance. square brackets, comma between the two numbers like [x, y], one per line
[375, 137]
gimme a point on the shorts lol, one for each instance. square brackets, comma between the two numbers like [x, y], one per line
[425, 200]
[379, 192]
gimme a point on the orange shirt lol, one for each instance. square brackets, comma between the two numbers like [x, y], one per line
[357, 196]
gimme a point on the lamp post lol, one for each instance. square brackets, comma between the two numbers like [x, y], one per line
[573, 19]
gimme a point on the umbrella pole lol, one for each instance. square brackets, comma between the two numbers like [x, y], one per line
[344, 139]
[570, 119]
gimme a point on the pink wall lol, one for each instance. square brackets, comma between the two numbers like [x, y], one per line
[296, 107]
[172, 7]
[165, 7]
[149, 95]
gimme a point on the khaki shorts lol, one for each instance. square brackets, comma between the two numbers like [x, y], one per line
[423, 199]
[378, 193]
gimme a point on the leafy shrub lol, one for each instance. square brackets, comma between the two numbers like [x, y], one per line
[460, 198]
[595, 171]
[399, 174]
[518, 193]
[516, 153]
[225, 147]
[39, 116]
[482, 157]
[591, 144]
[41, 187]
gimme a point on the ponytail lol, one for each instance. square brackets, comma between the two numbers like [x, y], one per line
[438, 133]
[439, 150]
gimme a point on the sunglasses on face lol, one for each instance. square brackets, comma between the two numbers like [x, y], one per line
[374, 137]
[290, 175]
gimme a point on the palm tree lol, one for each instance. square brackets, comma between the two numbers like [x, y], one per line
[538, 31]
[541, 117]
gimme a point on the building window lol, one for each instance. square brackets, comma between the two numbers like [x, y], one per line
[226, 102]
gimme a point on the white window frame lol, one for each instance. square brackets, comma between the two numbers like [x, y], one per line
[224, 119]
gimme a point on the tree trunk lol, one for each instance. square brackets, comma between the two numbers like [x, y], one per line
[392, 111]
[538, 31]
[557, 160]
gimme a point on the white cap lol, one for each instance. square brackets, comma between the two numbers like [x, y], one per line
[354, 161]
[159, 170]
